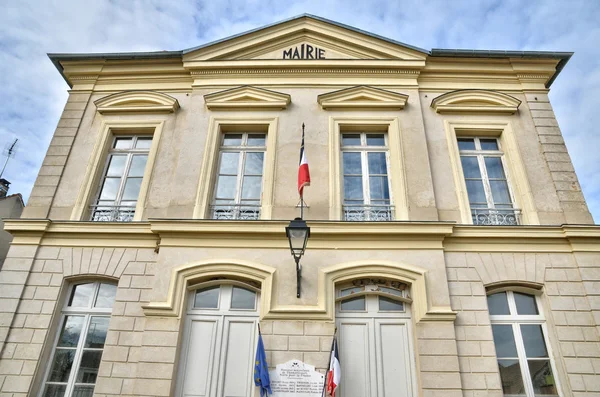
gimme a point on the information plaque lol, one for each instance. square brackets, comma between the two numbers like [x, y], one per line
[296, 379]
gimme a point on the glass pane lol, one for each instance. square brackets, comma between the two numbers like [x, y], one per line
[525, 304]
[392, 291]
[61, 365]
[71, 331]
[122, 143]
[357, 303]
[256, 139]
[81, 295]
[542, 378]
[504, 340]
[350, 291]
[353, 188]
[83, 391]
[498, 304]
[352, 164]
[116, 166]
[251, 188]
[143, 143]
[375, 140]
[226, 187]
[55, 390]
[229, 163]
[232, 140]
[512, 380]
[106, 296]
[494, 167]
[350, 139]
[378, 186]
[500, 192]
[488, 144]
[476, 192]
[207, 298]
[377, 164]
[138, 165]
[470, 167]
[97, 332]
[390, 304]
[242, 298]
[110, 188]
[466, 144]
[533, 339]
[88, 369]
[132, 188]
[254, 164]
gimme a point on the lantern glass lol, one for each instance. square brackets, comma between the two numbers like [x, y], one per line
[297, 234]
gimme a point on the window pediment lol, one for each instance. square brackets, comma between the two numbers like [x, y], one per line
[247, 97]
[137, 101]
[475, 101]
[362, 97]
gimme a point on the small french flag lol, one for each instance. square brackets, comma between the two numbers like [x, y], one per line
[303, 172]
[334, 374]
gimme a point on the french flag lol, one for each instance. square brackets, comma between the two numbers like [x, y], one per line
[303, 172]
[334, 374]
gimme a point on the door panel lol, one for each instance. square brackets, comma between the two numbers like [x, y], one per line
[393, 369]
[200, 357]
[238, 352]
[355, 344]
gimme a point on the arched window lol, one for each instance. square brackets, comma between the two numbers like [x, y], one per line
[375, 338]
[521, 340]
[78, 346]
[220, 335]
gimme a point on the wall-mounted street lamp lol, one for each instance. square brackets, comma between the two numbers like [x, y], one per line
[297, 233]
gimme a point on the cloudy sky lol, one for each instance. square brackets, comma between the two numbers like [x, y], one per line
[33, 93]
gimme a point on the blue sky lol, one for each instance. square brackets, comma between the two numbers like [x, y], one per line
[33, 93]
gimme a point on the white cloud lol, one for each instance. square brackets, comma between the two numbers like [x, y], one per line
[33, 93]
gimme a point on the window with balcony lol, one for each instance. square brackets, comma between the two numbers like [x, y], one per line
[239, 182]
[122, 179]
[490, 197]
[366, 185]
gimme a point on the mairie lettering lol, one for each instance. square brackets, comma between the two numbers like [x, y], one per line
[304, 51]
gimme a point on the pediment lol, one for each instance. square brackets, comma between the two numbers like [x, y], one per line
[137, 101]
[305, 37]
[475, 101]
[247, 97]
[364, 97]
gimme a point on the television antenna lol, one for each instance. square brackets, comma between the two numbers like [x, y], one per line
[9, 152]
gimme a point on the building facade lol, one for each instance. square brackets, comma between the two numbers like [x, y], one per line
[451, 246]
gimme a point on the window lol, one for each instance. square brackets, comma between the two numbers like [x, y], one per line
[238, 187]
[122, 179]
[219, 340]
[490, 197]
[520, 337]
[366, 186]
[78, 347]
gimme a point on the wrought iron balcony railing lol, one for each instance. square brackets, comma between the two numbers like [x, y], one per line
[492, 216]
[368, 213]
[107, 213]
[235, 212]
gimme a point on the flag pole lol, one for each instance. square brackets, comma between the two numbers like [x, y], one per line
[302, 192]
[329, 365]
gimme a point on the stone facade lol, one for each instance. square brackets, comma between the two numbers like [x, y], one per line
[449, 265]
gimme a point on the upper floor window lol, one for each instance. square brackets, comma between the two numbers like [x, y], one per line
[238, 187]
[490, 196]
[78, 346]
[520, 337]
[122, 179]
[366, 185]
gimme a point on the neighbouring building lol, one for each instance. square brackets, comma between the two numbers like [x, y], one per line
[11, 207]
[450, 243]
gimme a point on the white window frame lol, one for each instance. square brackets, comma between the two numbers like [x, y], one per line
[363, 149]
[243, 149]
[515, 320]
[87, 313]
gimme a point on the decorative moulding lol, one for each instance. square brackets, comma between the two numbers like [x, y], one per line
[247, 97]
[138, 102]
[364, 97]
[475, 101]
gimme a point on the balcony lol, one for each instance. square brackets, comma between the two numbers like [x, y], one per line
[235, 212]
[496, 217]
[368, 213]
[107, 213]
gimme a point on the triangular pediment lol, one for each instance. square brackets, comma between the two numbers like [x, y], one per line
[475, 101]
[305, 37]
[362, 97]
[137, 102]
[247, 97]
